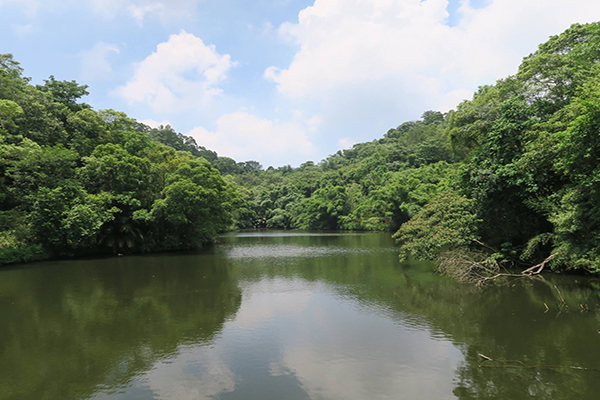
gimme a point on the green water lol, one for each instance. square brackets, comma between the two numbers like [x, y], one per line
[290, 316]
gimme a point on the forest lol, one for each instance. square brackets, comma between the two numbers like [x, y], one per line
[512, 175]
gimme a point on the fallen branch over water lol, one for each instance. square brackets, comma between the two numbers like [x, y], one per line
[521, 364]
[479, 268]
[470, 266]
[538, 268]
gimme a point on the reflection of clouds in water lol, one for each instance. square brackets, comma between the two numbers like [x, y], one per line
[276, 368]
[279, 285]
[337, 348]
[336, 353]
[195, 374]
[350, 294]
[271, 300]
[287, 251]
[323, 377]
[304, 340]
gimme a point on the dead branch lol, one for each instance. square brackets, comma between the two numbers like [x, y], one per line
[538, 268]
[485, 245]
[479, 268]
[496, 363]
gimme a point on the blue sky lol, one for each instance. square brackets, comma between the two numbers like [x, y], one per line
[280, 81]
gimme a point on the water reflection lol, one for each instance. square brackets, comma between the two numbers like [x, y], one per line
[290, 315]
[335, 348]
[70, 329]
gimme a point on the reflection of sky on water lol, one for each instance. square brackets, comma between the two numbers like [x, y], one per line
[338, 350]
[280, 323]
[295, 339]
[286, 251]
[196, 373]
[259, 234]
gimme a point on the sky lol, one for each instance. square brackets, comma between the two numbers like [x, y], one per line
[280, 81]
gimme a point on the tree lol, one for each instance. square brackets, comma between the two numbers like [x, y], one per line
[227, 166]
[195, 206]
[8, 111]
[446, 223]
[65, 92]
[111, 168]
[323, 209]
[250, 166]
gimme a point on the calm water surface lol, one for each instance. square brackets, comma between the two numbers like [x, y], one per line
[290, 316]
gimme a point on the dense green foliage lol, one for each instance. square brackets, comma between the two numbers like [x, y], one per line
[517, 168]
[515, 171]
[447, 222]
[532, 148]
[373, 186]
[75, 181]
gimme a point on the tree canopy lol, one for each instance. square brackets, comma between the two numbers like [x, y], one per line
[514, 170]
[75, 181]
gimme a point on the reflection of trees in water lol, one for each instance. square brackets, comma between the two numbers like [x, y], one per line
[541, 323]
[511, 323]
[548, 341]
[82, 326]
[71, 330]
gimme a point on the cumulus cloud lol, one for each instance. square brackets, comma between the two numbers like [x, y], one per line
[94, 62]
[357, 52]
[242, 136]
[183, 73]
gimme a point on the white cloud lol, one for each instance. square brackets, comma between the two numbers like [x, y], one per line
[358, 52]
[346, 143]
[313, 123]
[141, 9]
[452, 98]
[183, 73]
[29, 7]
[154, 124]
[94, 62]
[244, 136]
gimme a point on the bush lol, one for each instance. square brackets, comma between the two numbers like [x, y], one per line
[446, 223]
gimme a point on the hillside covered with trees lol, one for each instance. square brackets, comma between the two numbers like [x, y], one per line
[513, 174]
[75, 181]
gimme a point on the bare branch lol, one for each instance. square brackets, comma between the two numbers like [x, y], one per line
[478, 268]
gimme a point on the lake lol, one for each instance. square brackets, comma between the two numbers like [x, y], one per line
[291, 315]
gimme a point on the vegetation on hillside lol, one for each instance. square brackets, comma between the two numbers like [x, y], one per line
[513, 173]
[377, 185]
[76, 181]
